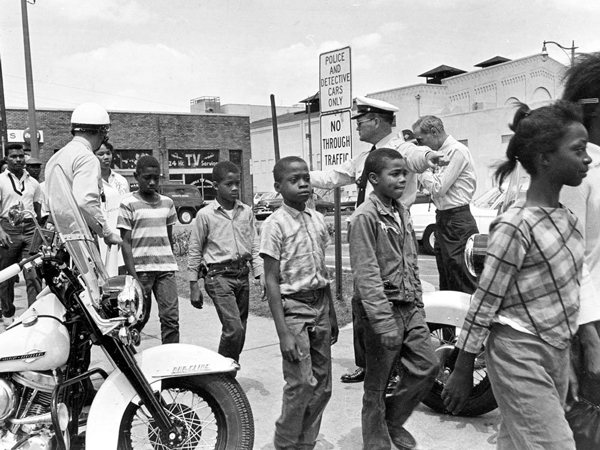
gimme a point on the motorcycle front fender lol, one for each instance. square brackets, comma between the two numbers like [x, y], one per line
[446, 307]
[157, 363]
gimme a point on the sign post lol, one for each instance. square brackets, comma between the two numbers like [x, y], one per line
[335, 93]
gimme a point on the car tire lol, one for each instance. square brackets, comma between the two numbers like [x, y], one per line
[185, 216]
[322, 210]
[429, 239]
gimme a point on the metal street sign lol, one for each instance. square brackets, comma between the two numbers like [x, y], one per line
[336, 139]
[335, 86]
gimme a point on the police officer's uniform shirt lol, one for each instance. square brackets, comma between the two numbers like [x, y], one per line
[350, 171]
[82, 170]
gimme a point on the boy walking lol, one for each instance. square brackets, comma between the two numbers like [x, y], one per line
[383, 256]
[293, 242]
[223, 241]
[146, 220]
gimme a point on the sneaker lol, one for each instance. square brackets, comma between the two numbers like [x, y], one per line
[8, 321]
[402, 439]
[354, 377]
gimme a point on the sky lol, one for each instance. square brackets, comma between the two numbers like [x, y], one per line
[157, 55]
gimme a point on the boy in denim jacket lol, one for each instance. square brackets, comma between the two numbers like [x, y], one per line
[293, 242]
[383, 256]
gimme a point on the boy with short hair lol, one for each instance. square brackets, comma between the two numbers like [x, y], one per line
[224, 240]
[293, 242]
[146, 221]
[383, 256]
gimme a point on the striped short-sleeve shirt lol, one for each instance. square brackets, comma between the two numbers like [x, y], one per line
[148, 223]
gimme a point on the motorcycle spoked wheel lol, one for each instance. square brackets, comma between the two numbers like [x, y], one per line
[213, 411]
[481, 400]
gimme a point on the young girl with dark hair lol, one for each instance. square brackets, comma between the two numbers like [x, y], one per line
[527, 301]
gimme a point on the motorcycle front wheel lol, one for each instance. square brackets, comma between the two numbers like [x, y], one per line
[213, 411]
[481, 400]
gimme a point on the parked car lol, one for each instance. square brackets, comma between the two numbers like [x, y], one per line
[187, 200]
[273, 200]
[258, 196]
[484, 209]
[348, 203]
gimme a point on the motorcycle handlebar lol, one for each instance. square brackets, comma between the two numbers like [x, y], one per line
[9, 272]
[15, 269]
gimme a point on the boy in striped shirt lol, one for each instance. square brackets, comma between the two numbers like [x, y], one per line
[146, 220]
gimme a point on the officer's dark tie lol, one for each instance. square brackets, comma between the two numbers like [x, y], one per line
[362, 185]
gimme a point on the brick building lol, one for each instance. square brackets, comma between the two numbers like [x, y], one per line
[186, 145]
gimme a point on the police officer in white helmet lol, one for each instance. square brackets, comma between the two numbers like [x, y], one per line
[89, 125]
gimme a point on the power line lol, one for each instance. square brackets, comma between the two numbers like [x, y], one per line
[99, 92]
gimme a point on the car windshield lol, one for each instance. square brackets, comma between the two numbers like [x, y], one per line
[490, 200]
[270, 196]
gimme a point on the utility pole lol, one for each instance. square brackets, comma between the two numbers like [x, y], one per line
[35, 152]
[3, 123]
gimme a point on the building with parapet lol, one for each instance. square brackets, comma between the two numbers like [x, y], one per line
[476, 108]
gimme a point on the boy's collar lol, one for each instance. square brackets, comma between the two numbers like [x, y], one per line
[381, 207]
[237, 204]
[294, 212]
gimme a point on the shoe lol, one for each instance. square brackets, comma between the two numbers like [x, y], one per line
[402, 439]
[357, 376]
[8, 321]
[394, 380]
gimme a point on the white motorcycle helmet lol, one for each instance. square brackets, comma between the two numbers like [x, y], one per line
[91, 118]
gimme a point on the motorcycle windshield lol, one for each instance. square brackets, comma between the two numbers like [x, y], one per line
[75, 233]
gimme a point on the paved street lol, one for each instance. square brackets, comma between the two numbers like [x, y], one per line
[262, 380]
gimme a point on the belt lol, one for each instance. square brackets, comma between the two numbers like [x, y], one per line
[231, 264]
[306, 296]
[449, 212]
[399, 304]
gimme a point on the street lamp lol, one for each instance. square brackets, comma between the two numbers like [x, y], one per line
[572, 48]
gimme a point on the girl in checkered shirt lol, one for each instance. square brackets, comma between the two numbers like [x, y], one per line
[527, 301]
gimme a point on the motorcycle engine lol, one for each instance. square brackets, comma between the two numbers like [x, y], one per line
[25, 404]
[8, 399]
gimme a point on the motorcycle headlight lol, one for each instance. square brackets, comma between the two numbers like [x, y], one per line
[474, 254]
[130, 300]
[123, 297]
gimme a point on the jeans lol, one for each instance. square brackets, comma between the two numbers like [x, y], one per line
[21, 236]
[230, 292]
[164, 286]
[530, 381]
[382, 415]
[308, 381]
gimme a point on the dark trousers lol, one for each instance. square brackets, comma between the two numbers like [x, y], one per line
[381, 415]
[164, 287]
[21, 236]
[229, 290]
[452, 230]
[358, 338]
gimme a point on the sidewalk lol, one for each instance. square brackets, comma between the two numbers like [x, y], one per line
[262, 380]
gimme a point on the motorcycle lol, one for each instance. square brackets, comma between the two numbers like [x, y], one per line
[173, 396]
[446, 311]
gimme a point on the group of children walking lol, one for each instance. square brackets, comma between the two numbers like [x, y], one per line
[526, 305]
